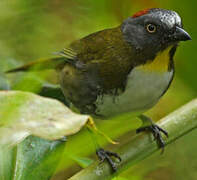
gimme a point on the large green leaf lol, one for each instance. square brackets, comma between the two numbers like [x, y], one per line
[33, 159]
[23, 114]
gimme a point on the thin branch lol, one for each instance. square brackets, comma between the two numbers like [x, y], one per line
[177, 124]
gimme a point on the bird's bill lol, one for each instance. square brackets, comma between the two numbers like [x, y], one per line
[181, 35]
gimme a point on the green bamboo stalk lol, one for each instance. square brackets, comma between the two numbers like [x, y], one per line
[177, 124]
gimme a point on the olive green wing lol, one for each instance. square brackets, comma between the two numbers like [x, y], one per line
[104, 54]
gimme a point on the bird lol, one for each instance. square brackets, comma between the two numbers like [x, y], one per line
[123, 69]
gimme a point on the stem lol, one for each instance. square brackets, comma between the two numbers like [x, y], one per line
[177, 124]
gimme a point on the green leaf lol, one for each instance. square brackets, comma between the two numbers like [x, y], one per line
[32, 159]
[23, 114]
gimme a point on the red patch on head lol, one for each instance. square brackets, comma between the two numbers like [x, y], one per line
[140, 13]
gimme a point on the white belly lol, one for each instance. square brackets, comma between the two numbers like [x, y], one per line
[143, 90]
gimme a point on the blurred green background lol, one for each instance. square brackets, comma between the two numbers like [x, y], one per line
[31, 29]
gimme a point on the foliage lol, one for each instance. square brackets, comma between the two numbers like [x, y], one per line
[34, 29]
[23, 114]
[33, 159]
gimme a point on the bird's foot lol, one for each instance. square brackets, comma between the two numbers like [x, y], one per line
[107, 155]
[156, 131]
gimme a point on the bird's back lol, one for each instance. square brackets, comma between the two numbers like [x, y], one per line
[108, 53]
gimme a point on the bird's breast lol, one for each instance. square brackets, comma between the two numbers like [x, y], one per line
[143, 90]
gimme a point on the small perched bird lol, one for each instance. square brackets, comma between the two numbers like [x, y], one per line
[124, 69]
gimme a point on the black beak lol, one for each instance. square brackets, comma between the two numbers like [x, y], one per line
[181, 35]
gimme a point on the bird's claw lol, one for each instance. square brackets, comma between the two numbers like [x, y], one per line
[107, 155]
[156, 131]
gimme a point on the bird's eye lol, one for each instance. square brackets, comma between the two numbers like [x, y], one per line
[151, 28]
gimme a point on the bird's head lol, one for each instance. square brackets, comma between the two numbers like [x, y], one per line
[153, 30]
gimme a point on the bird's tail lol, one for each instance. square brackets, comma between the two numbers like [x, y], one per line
[41, 64]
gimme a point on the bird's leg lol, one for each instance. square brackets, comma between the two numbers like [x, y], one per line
[102, 154]
[149, 125]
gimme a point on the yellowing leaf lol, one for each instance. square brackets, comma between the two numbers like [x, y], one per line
[23, 114]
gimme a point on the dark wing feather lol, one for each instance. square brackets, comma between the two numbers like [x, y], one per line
[107, 53]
